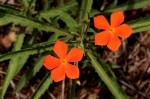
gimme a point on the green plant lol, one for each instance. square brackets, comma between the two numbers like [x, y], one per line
[77, 15]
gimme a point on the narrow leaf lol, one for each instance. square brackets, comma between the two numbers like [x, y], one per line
[57, 10]
[70, 22]
[111, 83]
[141, 29]
[45, 83]
[28, 51]
[140, 25]
[37, 48]
[18, 20]
[131, 4]
[10, 9]
[35, 68]
[12, 64]
[85, 9]
[140, 22]
[30, 73]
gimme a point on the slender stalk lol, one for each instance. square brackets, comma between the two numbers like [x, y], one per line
[83, 16]
[73, 86]
[72, 91]
[63, 89]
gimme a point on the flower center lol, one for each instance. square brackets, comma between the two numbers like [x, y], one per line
[63, 61]
[112, 30]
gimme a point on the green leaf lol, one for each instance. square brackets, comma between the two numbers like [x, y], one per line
[53, 37]
[111, 83]
[18, 20]
[140, 22]
[25, 3]
[70, 22]
[85, 10]
[114, 66]
[94, 12]
[32, 4]
[30, 73]
[113, 4]
[141, 29]
[57, 11]
[37, 48]
[140, 25]
[131, 4]
[22, 61]
[28, 51]
[12, 64]
[84, 21]
[29, 43]
[36, 66]
[9, 9]
[45, 83]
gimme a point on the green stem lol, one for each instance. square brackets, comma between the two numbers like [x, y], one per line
[81, 12]
[73, 86]
[72, 91]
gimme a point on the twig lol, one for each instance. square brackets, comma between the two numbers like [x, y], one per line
[51, 95]
[131, 87]
[147, 67]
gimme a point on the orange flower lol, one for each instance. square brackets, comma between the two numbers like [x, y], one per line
[61, 66]
[109, 37]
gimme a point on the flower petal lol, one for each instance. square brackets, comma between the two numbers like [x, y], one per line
[60, 48]
[51, 62]
[74, 55]
[58, 73]
[100, 22]
[123, 30]
[116, 18]
[102, 38]
[114, 43]
[72, 71]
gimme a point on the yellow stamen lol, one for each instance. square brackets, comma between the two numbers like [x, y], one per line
[63, 61]
[112, 30]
